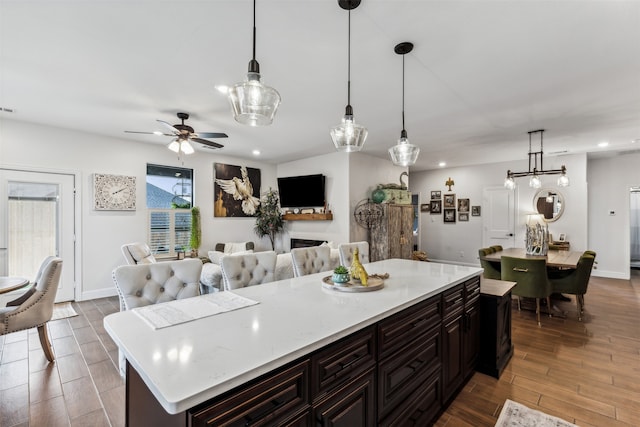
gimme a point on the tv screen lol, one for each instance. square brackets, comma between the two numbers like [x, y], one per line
[301, 191]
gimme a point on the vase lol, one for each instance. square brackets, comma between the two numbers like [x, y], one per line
[340, 277]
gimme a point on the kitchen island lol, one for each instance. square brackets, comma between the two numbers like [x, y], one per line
[308, 353]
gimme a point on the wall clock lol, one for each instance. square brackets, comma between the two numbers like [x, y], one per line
[114, 192]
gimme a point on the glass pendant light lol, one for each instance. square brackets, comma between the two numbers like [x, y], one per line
[534, 181]
[404, 153]
[509, 182]
[253, 103]
[563, 180]
[348, 136]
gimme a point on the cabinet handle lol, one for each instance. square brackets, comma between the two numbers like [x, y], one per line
[521, 270]
[260, 415]
[356, 357]
[419, 322]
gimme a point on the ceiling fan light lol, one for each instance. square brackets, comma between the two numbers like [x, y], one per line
[253, 103]
[348, 136]
[174, 146]
[404, 153]
[186, 147]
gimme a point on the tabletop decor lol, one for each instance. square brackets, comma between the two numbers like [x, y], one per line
[537, 235]
[375, 283]
[340, 274]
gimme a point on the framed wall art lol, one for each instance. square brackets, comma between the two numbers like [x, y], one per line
[114, 192]
[449, 215]
[463, 205]
[425, 207]
[436, 195]
[236, 191]
[435, 206]
[450, 201]
[463, 216]
[475, 210]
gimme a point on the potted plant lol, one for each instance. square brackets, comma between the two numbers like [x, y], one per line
[196, 232]
[340, 274]
[269, 219]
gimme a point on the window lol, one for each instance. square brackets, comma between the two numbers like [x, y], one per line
[169, 202]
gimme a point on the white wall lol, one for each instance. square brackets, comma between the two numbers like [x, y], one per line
[102, 233]
[335, 168]
[609, 182]
[459, 242]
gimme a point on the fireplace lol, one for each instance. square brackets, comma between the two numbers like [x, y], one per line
[305, 243]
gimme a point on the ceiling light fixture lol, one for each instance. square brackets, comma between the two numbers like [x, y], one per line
[533, 171]
[253, 103]
[404, 153]
[181, 145]
[348, 136]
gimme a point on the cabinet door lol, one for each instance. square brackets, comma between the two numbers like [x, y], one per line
[503, 329]
[352, 405]
[471, 337]
[452, 367]
[400, 219]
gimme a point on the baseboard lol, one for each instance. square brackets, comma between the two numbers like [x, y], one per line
[610, 274]
[99, 293]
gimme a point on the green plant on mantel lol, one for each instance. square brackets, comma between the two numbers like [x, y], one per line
[269, 219]
[196, 232]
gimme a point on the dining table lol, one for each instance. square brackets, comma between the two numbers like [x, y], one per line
[9, 283]
[555, 258]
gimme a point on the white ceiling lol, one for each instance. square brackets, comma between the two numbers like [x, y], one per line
[481, 75]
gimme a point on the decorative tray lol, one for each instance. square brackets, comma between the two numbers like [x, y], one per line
[373, 284]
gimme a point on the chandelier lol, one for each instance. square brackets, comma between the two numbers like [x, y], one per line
[534, 172]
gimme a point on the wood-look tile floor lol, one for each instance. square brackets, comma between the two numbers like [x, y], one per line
[585, 372]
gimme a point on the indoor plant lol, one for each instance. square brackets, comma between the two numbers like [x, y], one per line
[340, 274]
[269, 220]
[196, 232]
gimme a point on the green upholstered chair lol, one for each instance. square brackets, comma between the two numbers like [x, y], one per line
[496, 248]
[491, 269]
[575, 282]
[531, 279]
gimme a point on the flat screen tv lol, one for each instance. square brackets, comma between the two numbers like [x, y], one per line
[301, 191]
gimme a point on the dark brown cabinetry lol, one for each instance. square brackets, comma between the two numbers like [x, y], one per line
[460, 335]
[495, 315]
[401, 370]
[393, 236]
[409, 368]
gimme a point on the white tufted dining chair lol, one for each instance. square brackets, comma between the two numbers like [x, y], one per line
[35, 307]
[248, 269]
[137, 253]
[311, 260]
[146, 284]
[346, 252]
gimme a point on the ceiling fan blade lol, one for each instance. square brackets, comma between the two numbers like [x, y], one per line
[169, 126]
[208, 143]
[212, 135]
[149, 133]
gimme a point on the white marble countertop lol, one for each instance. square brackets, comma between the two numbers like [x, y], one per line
[187, 364]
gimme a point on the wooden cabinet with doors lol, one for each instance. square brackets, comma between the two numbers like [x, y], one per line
[393, 236]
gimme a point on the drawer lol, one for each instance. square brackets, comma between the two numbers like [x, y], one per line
[453, 301]
[401, 329]
[420, 408]
[401, 374]
[271, 400]
[472, 289]
[342, 361]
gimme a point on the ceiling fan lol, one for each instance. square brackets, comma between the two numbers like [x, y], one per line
[185, 133]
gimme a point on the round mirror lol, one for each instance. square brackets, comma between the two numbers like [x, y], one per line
[549, 203]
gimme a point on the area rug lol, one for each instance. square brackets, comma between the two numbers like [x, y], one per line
[63, 310]
[516, 415]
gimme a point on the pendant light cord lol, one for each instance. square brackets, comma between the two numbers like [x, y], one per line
[348, 61]
[403, 130]
[254, 30]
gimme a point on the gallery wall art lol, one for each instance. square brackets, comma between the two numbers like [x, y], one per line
[236, 190]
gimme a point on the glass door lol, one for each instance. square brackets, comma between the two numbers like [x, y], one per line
[37, 220]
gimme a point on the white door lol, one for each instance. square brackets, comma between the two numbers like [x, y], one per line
[498, 218]
[37, 219]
